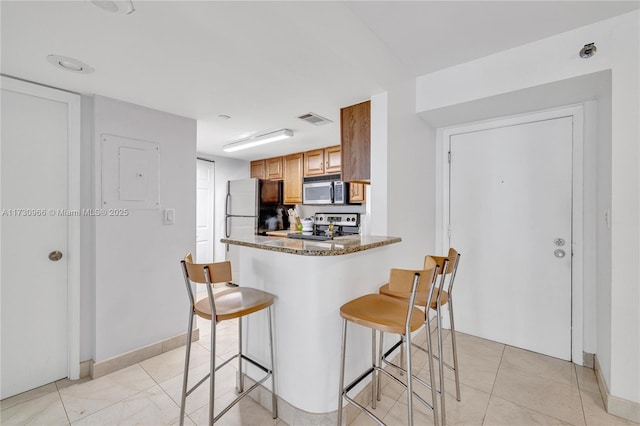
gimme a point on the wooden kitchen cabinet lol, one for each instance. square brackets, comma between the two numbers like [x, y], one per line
[355, 137]
[314, 162]
[258, 169]
[292, 186]
[273, 168]
[324, 161]
[333, 160]
[357, 193]
[270, 169]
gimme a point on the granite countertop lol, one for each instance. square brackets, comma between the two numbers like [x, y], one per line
[338, 246]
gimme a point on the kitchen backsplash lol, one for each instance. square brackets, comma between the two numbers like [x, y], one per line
[308, 210]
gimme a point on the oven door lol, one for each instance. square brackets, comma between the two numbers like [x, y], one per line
[317, 193]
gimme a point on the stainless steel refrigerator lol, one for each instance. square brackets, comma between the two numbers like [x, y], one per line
[250, 206]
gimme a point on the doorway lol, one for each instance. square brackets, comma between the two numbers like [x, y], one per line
[204, 210]
[509, 206]
[40, 230]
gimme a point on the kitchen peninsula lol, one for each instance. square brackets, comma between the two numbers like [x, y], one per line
[311, 280]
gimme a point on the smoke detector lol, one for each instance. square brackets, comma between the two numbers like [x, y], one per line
[588, 50]
[315, 119]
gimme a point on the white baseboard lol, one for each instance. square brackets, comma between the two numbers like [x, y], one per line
[102, 368]
[615, 405]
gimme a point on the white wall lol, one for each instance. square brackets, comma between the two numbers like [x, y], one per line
[139, 290]
[377, 196]
[225, 169]
[87, 233]
[402, 174]
[553, 60]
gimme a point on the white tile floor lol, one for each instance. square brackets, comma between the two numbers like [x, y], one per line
[501, 385]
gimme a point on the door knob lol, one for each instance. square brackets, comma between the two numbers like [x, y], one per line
[55, 255]
[559, 253]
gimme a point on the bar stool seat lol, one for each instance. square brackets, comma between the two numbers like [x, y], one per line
[234, 303]
[421, 298]
[382, 313]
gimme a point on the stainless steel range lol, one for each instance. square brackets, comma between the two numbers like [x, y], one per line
[326, 226]
[343, 223]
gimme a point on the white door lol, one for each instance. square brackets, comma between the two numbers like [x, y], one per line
[204, 211]
[510, 218]
[35, 197]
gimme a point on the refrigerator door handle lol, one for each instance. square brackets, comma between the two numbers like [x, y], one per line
[226, 216]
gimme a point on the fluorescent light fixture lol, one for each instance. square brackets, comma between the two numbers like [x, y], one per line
[258, 140]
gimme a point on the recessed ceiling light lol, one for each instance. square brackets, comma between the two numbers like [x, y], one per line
[224, 117]
[124, 7]
[69, 64]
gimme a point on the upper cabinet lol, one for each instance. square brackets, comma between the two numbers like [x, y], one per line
[357, 193]
[355, 136]
[258, 169]
[292, 186]
[274, 169]
[333, 159]
[322, 161]
[314, 162]
[270, 169]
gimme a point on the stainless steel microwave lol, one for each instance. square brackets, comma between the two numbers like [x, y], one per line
[324, 192]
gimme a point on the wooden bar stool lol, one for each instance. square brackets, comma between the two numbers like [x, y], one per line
[387, 314]
[224, 305]
[448, 267]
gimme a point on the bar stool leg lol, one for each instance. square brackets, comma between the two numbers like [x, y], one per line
[374, 381]
[409, 379]
[274, 398]
[380, 351]
[455, 350]
[434, 394]
[342, 361]
[212, 371]
[441, 363]
[185, 377]
[402, 356]
[240, 378]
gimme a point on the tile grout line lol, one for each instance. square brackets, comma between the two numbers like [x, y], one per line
[529, 408]
[163, 390]
[119, 401]
[64, 407]
[584, 415]
[484, 416]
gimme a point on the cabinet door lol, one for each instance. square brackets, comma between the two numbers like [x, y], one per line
[355, 137]
[314, 162]
[333, 159]
[356, 193]
[274, 168]
[293, 179]
[258, 169]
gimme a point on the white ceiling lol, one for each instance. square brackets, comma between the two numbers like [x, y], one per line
[265, 63]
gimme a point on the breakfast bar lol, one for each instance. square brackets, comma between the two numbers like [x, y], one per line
[311, 280]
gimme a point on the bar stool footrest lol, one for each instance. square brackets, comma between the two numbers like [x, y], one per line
[363, 409]
[240, 396]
